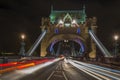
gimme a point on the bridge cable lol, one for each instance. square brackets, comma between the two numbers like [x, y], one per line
[37, 42]
[99, 44]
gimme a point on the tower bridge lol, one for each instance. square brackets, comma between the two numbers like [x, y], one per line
[68, 33]
[69, 26]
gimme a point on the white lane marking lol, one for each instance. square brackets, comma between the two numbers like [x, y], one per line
[51, 75]
[64, 75]
[57, 67]
[55, 71]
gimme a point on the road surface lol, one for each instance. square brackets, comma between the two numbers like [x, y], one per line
[64, 70]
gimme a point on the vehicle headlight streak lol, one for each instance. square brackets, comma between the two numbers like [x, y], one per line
[116, 72]
[85, 70]
[18, 74]
[35, 68]
[102, 72]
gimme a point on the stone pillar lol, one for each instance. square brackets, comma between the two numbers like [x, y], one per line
[93, 26]
[43, 51]
[45, 26]
[92, 54]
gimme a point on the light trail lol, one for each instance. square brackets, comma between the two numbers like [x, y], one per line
[101, 72]
[18, 74]
[26, 65]
[111, 71]
[97, 76]
[7, 70]
[21, 65]
[8, 64]
[35, 68]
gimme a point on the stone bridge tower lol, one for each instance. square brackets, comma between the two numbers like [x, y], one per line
[69, 25]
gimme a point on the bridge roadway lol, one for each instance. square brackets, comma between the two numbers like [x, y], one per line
[65, 70]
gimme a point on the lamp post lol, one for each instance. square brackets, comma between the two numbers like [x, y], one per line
[22, 49]
[116, 39]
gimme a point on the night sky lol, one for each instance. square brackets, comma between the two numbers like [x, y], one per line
[24, 16]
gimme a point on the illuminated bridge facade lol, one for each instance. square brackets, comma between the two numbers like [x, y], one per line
[68, 27]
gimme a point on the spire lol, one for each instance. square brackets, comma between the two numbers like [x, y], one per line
[84, 14]
[51, 8]
[84, 8]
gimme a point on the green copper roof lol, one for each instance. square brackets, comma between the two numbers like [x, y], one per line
[80, 15]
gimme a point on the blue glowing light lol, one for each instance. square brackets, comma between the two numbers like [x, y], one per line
[81, 44]
[78, 30]
[56, 31]
[51, 47]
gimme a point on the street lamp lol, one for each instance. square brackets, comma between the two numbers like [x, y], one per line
[23, 37]
[22, 49]
[116, 37]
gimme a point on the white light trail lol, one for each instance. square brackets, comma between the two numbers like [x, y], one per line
[18, 74]
[37, 67]
[102, 72]
[111, 71]
[86, 71]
